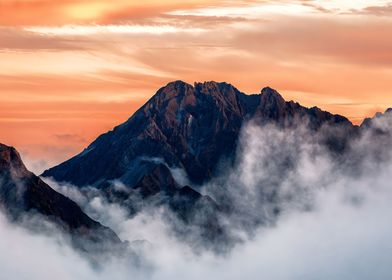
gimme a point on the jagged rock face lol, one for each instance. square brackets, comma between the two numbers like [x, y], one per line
[194, 128]
[22, 192]
[11, 163]
[190, 127]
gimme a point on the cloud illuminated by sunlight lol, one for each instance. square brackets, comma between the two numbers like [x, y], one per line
[124, 29]
[252, 11]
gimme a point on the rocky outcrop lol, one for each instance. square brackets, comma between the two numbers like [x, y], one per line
[23, 193]
[190, 128]
[184, 126]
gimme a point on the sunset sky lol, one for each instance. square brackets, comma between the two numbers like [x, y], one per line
[73, 69]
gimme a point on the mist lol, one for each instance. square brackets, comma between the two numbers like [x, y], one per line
[300, 212]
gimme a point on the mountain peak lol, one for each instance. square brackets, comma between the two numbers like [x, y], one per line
[10, 161]
[190, 127]
[178, 99]
[271, 100]
[177, 83]
[180, 89]
[206, 84]
[22, 191]
[174, 88]
[271, 94]
[369, 122]
[217, 90]
[211, 84]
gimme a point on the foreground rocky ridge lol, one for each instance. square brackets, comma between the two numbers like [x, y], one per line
[22, 194]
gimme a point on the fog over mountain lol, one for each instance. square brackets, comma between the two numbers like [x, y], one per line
[207, 182]
[27, 199]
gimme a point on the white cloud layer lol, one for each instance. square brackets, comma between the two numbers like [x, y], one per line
[83, 30]
[345, 233]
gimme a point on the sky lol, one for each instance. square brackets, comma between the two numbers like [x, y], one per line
[72, 69]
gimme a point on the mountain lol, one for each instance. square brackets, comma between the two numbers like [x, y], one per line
[194, 128]
[191, 128]
[23, 193]
[371, 123]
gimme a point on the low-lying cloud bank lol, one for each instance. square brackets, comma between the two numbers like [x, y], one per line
[301, 212]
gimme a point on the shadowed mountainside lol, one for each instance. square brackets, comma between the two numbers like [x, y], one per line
[195, 129]
[189, 127]
[23, 193]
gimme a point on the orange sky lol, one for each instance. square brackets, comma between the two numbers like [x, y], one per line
[72, 69]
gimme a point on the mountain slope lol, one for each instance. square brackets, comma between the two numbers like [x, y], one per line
[21, 192]
[189, 127]
[195, 129]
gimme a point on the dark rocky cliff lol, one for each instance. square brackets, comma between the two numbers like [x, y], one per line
[185, 126]
[22, 193]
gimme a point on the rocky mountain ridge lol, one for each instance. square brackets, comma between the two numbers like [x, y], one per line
[189, 127]
[22, 194]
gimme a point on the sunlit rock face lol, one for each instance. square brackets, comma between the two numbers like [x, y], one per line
[22, 193]
[195, 129]
[190, 127]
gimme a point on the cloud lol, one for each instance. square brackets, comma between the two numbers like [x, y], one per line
[84, 63]
[70, 137]
[381, 10]
[250, 11]
[16, 39]
[336, 241]
[334, 221]
[313, 37]
[43, 12]
[116, 29]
